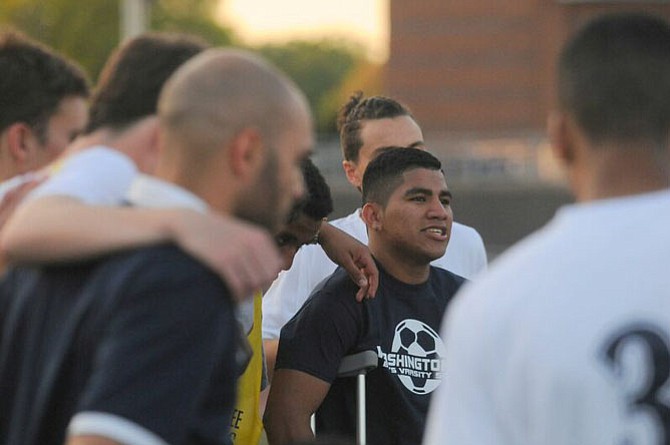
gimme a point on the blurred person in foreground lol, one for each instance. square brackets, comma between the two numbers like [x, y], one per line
[139, 347]
[408, 215]
[75, 214]
[567, 339]
[367, 125]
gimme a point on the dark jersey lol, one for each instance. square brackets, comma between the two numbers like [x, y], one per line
[400, 324]
[139, 343]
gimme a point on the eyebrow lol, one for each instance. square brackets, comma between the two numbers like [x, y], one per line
[428, 192]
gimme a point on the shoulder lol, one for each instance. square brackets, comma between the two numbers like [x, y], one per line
[164, 267]
[338, 284]
[97, 176]
[446, 280]
[333, 298]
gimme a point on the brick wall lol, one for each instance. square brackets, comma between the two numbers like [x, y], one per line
[483, 66]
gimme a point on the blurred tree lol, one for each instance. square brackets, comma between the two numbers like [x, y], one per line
[366, 76]
[195, 17]
[85, 32]
[318, 67]
[88, 30]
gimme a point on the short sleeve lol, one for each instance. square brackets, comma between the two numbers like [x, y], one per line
[325, 329]
[94, 176]
[292, 288]
[164, 369]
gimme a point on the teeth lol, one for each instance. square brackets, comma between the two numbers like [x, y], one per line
[438, 231]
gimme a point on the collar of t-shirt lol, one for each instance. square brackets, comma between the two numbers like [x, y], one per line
[147, 191]
[400, 289]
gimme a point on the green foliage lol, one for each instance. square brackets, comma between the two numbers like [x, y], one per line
[87, 31]
[318, 67]
[193, 17]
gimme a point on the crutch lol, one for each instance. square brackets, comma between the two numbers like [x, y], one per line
[359, 365]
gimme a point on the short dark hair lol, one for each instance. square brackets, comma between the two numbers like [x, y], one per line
[134, 75]
[33, 81]
[359, 109]
[384, 173]
[614, 78]
[318, 202]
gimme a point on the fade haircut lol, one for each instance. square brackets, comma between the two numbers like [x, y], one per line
[614, 79]
[132, 79]
[385, 172]
[33, 82]
[358, 109]
[318, 202]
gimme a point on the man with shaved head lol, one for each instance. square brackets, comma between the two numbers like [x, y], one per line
[141, 347]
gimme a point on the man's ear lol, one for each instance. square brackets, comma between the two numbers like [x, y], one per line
[20, 139]
[561, 137]
[246, 153]
[352, 175]
[373, 216]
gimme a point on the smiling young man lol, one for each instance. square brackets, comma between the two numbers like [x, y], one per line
[408, 216]
[367, 125]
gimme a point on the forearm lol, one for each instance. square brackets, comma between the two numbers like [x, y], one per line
[294, 397]
[61, 229]
[270, 347]
[90, 440]
[353, 256]
[284, 428]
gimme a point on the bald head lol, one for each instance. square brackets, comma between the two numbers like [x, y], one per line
[222, 91]
[231, 115]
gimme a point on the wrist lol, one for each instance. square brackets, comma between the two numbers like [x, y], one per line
[320, 232]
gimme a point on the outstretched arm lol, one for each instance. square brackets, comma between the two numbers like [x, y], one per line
[353, 256]
[294, 397]
[57, 228]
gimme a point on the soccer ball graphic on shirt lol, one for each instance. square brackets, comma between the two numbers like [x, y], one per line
[418, 352]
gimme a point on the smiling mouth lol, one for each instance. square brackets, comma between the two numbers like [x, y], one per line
[440, 231]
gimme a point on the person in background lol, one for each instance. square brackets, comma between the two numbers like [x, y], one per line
[567, 339]
[43, 107]
[301, 227]
[408, 215]
[367, 126]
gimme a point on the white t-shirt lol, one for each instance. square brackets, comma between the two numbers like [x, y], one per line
[96, 176]
[567, 339]
[465, 256]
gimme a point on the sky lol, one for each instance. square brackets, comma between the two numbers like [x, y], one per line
[263, 21]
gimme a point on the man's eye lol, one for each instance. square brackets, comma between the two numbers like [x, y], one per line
[418, 199]
[446, 202]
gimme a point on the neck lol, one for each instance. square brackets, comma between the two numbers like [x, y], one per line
[610, 172]
[399, 265]
[208, 184]
[137, 141]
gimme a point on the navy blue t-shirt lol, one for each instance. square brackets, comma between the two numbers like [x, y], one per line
[401, 324]
[146, 338]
